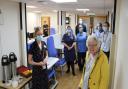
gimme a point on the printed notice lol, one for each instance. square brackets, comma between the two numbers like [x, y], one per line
[1, 17]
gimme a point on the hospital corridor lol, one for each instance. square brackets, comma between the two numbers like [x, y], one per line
[63, 44]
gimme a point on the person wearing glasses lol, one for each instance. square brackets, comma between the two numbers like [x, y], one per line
[106, 39]
[96, 69]
[37, 58]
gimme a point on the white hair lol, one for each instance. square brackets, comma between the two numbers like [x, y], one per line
[94, 38]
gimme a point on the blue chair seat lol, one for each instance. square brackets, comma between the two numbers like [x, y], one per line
[51, 73]
[52, 52]
[60, 62]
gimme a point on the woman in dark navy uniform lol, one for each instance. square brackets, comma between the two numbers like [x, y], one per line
[37, 58]
[69, 49]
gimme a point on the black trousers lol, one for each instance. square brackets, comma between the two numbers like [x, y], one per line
[71, 63]
[39, 78]
[81, 59]
[107, 54]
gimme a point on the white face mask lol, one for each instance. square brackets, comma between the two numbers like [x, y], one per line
[80, 22]
[68, 32]
[105, 29]
[80, 30]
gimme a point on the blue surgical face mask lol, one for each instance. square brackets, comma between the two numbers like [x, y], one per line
[105, 29]
[39, 38]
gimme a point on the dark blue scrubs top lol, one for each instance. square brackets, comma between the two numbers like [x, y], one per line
[69, 55]
[39, 75]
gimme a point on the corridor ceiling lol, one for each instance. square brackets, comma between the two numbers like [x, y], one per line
[99, 7]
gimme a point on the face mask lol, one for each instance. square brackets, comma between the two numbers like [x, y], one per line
[81, 30]
[80, 22]
[39, 38]
[105, 29]
[68, 31]
[98, 28]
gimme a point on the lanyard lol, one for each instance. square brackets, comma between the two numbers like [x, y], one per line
[105, 38]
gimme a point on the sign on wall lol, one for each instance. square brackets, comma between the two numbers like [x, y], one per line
[1, 17]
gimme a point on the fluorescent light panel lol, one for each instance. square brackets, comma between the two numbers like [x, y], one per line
[82, 9]
[63, 1]
[54, 10]
[31, 7]
[91, 13]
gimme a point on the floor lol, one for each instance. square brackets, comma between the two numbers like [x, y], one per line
[68, 81]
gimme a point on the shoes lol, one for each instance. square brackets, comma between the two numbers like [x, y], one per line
[76, 62]
[74, 74]
[68, 71]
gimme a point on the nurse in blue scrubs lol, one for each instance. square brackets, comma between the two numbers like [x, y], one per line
[69, 49]
[81, 47]
[37, 58]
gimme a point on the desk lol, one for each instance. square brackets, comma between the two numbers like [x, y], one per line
[20, 85]
[52, 61]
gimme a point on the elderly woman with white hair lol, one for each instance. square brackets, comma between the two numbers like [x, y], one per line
[96, 70]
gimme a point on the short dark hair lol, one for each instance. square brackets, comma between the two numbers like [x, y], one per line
[68, 26]
[107, 23]
[100, 24]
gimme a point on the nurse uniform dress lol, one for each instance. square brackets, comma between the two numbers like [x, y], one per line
[39, 73]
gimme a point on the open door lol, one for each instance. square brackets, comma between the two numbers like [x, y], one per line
[45, 23]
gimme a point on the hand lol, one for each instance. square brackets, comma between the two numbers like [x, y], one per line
[45, 61]
[41, 63]
[69, 48]
[79, 87]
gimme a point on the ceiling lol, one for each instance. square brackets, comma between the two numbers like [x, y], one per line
[99, 7]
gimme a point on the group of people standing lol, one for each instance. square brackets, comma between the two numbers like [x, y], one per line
[92, 54]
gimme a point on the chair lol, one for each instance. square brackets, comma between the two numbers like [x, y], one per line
[52, 52]
[52, 31]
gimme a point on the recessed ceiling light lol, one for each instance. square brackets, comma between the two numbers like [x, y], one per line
[31, 7]
[83, 10]
[63, 1]
[55, 10]
[91, 13]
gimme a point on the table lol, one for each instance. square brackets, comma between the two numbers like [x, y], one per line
[51, 63]
[20, 85]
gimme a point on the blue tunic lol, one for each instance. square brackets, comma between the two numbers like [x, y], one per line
[69, 55]
[81, 42]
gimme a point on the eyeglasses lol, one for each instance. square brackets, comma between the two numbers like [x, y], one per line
[92, 46]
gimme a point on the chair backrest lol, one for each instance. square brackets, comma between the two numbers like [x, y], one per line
[52, 31]
[52, 52]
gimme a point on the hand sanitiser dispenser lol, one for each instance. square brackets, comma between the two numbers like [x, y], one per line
[5, 64]
[13, 59]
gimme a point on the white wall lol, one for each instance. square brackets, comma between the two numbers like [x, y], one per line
[72, 20]
[9, 31]
[33, 20]
[121, 72]
[53, 19]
